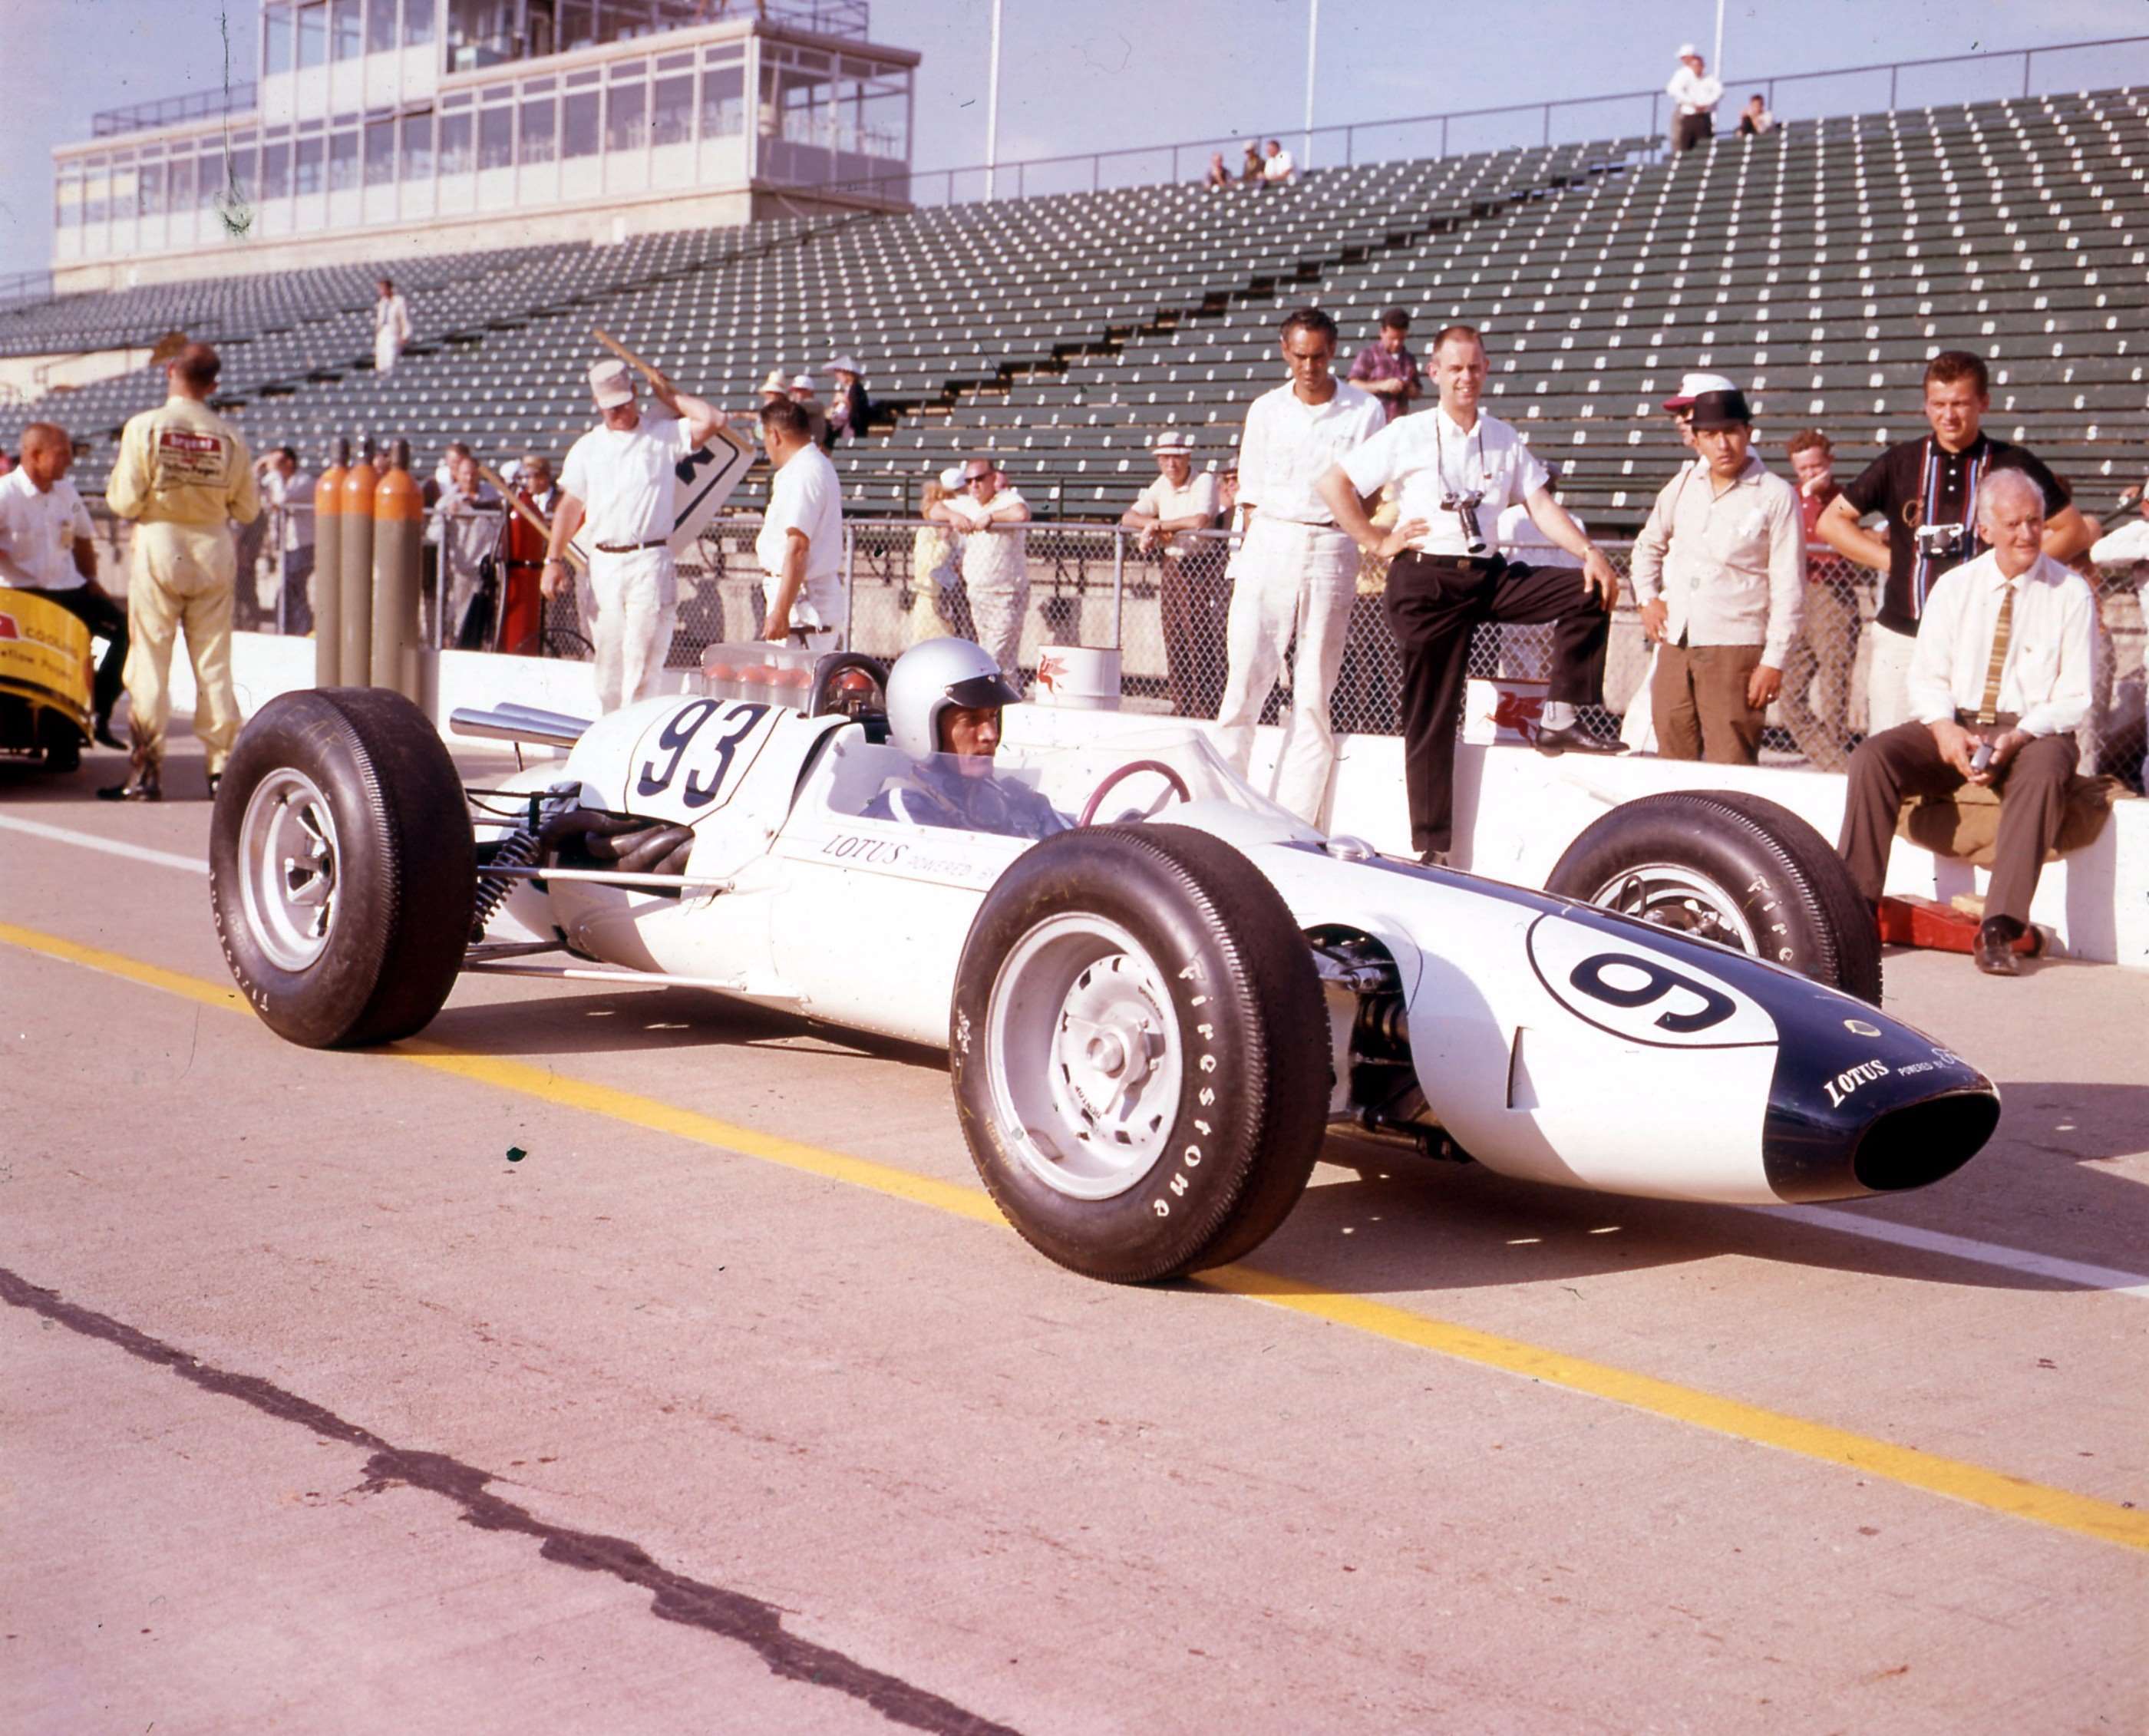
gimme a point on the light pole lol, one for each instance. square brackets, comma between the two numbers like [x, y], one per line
[1715, 65]
[1313, 48]
[993, 105]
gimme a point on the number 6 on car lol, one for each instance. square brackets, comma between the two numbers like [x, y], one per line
[1154, 1025]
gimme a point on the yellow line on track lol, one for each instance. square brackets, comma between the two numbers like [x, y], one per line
[2014, 1497]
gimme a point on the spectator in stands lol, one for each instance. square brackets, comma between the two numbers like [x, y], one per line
[183, 475]
[2002, 662]
[938, 608]
[850, 409]
[620, 480]
[1293, 574]
[1387, 369]
[1927, 490]
[775, 385]
[1278, 168]
[522, 604]
[1755, 120]
[1680, 404]
[1449, 464]
[289, 491]
[801, 544]
[1827, 650]
[1694, 96]
[800, 390]
[466, 528]
[46, 547]
[391, 327]
[988, 516]
[1253, 166]
[1219, 177]
[1176, 503]
[2129, 542]
[1719, 571]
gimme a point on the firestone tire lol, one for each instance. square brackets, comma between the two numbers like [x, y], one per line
[342, 870]
[1731, 868]
[1140, 1047]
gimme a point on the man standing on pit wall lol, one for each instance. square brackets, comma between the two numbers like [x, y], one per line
[1189, 599]
[1458, 471]
[621, 479]
[288, 489]
[1694, 96]
[1295, 569]
[1927, 491]
[183, 475]
[1720, 570]
[391, 328]
[988, 515]
[1387, 369]
[1999, 682]
[46, 547]
[801, 544]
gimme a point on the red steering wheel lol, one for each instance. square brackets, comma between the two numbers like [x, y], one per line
[1114, 779]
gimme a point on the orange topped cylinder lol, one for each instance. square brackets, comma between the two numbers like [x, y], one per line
[355, 661]
[328, 574]
[399, 527]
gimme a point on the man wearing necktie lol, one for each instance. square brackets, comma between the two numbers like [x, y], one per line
[1998, 684]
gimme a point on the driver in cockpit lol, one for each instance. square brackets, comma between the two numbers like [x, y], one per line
[945, 698]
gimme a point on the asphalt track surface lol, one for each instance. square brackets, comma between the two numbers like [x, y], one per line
[731, 1405]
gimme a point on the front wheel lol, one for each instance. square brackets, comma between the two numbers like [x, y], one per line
[1140, 1051]
[342, 869]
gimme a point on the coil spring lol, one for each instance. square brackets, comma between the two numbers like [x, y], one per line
[518, 849]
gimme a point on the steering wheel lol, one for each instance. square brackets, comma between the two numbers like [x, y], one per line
[1112, 779]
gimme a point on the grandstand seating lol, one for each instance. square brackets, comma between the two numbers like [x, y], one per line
[1823, 265]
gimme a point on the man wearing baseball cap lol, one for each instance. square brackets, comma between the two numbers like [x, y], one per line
[1176, 502]
[620, 480]
[1694, 96]
[1720, 570]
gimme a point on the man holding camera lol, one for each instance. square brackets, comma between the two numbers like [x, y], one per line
[1928, 489]
[1457, 471]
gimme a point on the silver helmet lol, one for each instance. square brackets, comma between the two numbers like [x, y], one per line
[937, 676]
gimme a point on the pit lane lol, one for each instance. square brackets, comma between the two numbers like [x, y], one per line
[735, 1338]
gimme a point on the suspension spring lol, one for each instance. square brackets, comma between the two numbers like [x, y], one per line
[518, 849]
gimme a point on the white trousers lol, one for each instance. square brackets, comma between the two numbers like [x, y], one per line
[1888, 679]
[816, 613]
[631, 606]
[996, 613]
[386, 352]
[1290, 581]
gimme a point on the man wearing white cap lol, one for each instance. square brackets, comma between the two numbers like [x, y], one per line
[801, 544]
[1176, 503]
[621, 481]
[802, 395]
[849, 407]
[1294, 574]
[988, 515]
[1694, 96]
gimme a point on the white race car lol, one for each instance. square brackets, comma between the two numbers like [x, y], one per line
[1159, 993]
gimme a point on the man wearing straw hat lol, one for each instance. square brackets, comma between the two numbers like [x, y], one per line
[1175, 504]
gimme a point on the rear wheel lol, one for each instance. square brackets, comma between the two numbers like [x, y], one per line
[1733, 869]
[342, 871]
[1140, 1051]
[60, 740]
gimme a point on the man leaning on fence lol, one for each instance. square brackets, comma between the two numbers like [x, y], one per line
[988, 516]
[1190, 594]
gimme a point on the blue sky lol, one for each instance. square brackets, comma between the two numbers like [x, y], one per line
[1098, 73]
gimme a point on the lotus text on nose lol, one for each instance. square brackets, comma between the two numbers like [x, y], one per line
[1844, 1084]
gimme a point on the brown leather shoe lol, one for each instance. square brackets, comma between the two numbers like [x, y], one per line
[1995, 951]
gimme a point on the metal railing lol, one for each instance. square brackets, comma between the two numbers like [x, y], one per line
[1565, 120]
[25, 286]
[164, 111]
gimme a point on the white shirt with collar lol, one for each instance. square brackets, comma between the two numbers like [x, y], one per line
[2051, 642]
[294, 495]
[995, 557]
[1728, 559]
[628, 479]
[1432, 458]
[2129, 542]
[1694, 92]
[805, 496]
[1278, 166]
[37, 533]
[1288, 446]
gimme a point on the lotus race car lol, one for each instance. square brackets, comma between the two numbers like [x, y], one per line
[1158, 992]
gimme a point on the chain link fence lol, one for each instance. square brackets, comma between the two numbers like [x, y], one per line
[1093, 584]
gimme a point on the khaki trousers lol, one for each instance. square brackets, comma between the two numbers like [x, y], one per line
[181, 576]
[1699, 701]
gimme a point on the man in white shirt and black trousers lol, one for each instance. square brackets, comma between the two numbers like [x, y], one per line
[1999, 682]
[1459, 470]
[622, 479]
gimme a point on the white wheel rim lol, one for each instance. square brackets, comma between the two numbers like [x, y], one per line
[1678, 898]
[1083, 1059]
[289, 881]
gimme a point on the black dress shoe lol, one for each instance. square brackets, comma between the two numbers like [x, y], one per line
[214, 779]
[1995, 951]
[104, 735]
[145, 786]
[1573, 738]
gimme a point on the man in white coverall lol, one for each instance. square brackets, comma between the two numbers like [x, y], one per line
[391, 327]
[622, 479]
[183, 473]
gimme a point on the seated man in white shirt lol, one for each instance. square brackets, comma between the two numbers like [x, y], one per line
[1999, 680]
[1277, 166]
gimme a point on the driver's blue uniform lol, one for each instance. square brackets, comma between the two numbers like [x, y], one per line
[935, 794]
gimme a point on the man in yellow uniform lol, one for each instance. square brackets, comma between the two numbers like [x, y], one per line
[183, 473]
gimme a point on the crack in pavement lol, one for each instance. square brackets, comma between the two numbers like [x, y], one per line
[674, 1596]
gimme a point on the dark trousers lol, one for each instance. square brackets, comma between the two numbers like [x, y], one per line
[1434, 605]
[297, 605]
[1195, 600]
[1905, 761]
[1691, 130]
[104, 616]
